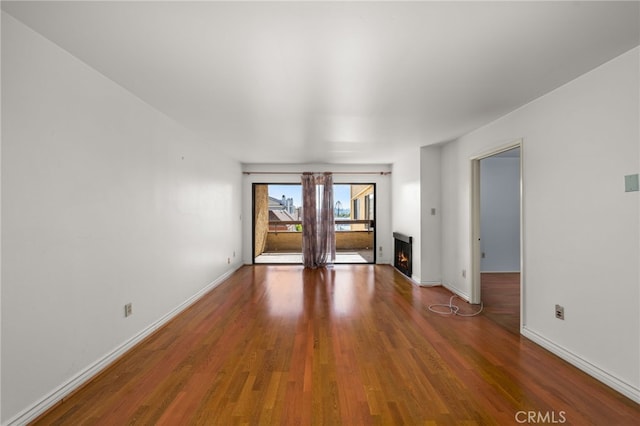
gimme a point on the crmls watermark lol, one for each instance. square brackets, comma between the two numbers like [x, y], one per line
[540, 417]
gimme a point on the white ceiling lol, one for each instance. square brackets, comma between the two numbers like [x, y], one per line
[335, 82]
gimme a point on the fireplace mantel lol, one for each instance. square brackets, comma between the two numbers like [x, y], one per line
[405, 238]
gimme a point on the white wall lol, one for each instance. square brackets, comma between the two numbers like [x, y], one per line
[500, 214]
[431, 215]
[283, 175]
[581, 230]
[105, 201]
[405, 190]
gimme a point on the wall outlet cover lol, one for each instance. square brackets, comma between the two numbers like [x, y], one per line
[560, 312]
[631, 183]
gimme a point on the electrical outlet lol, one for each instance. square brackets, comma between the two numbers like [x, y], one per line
[234, 253]
[464, 273]
[560, 312]
[128, 310]
[229, 260]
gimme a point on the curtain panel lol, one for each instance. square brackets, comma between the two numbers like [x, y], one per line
[318, 223]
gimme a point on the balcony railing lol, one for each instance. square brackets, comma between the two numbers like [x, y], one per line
[290, 240]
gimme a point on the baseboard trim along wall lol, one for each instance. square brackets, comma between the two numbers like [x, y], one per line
[430, 284]
[86, 375]
[608, 379]
[457, 292]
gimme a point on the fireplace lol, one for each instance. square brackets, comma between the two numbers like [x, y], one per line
[402, 253]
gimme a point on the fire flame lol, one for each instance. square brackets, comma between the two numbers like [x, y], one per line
[402, 259]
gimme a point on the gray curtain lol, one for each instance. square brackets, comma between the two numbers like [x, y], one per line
[318, 224]
[309, 223]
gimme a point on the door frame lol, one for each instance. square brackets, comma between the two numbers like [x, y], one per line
[375, 220]
[475, 234]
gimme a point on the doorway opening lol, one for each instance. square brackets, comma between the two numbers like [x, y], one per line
[497, 235]
[277, 223]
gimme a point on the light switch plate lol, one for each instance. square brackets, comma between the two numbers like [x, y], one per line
[631, 183]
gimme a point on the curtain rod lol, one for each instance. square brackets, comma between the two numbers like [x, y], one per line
[299, 173]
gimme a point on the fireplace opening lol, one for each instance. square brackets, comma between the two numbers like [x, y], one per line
[402, 253]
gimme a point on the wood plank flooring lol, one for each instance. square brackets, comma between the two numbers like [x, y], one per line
[352, 345]
[501, 298]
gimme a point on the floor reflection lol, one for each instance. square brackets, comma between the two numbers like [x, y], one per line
[283, 295]
[336, 290]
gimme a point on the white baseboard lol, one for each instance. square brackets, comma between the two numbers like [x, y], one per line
[457, 292]
[430, 283]
[608, 379]
[40, 407]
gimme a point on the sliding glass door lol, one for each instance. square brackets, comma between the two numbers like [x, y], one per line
[277, 223]
[355, 223]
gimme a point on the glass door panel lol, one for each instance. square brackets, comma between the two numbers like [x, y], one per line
[277, 223]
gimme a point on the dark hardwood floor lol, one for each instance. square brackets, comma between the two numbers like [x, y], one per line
[501, 298]
[351, 345]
